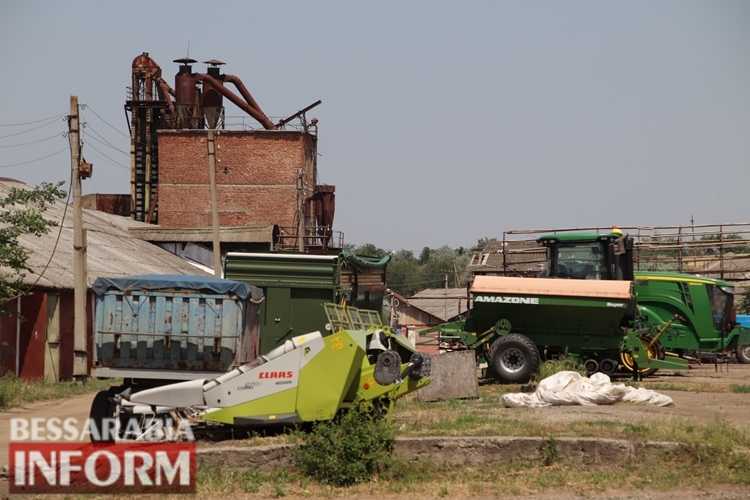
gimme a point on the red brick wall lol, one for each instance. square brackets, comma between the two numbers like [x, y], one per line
[256, 177]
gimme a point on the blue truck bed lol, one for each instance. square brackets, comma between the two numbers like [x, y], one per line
[149, 326]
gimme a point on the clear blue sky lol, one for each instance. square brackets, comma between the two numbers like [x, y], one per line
[442, 122]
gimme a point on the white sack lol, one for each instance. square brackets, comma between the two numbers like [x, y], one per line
[571, 388]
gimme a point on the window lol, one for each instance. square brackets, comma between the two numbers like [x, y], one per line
[581, 261]
[485, 256]
[721, 303]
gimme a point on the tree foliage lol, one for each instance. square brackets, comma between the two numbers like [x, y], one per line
[22, 213]
[408, 274]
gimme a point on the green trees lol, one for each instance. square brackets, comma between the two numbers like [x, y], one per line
[408, 274]
[21, 213]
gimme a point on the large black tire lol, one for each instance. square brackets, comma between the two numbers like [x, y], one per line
[743, 353]
[514, 358]
[102, 408]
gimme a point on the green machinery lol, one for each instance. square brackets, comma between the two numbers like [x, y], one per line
[308, 378]
[296, 286]
[515, 323]
[686, 314]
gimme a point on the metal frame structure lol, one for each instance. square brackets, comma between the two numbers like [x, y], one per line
[712, 250]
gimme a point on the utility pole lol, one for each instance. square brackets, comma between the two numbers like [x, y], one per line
[79, 170]
[216, 250]
[300, 212]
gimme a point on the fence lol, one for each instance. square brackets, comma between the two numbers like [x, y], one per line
[712, 250]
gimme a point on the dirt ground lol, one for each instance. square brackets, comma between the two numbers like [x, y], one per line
[702, 395]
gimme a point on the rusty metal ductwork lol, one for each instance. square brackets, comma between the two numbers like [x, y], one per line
[145, 73]
[248, 105]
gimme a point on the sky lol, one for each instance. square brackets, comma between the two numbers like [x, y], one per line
[441, 122]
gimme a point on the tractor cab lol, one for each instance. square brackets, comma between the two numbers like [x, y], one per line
[588, 255]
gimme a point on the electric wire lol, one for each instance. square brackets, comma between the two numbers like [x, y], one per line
[33, 160]
[103, 140]
[59, 233]
[26, 131]
[20, 124]
[87, 107]
[115, 162]
[29, 143]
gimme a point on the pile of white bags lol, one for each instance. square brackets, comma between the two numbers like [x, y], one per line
[572, 388]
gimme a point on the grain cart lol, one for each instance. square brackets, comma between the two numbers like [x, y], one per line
[515, 323]
[690, 314]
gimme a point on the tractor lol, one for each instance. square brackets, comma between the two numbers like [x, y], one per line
[689, 315]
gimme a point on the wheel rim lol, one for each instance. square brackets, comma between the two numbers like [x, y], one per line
[746, 351]
[512, 360]
[629, 363]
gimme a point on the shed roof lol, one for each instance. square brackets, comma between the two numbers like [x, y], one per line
[443, 303]
[111, 250]
[253, 233]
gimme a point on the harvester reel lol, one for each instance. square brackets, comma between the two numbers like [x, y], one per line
[388, 368]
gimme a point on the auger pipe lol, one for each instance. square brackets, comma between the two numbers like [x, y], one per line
[247, 105]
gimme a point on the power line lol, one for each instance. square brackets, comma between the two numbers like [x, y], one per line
[54, 248]
[34, 160]
[38, 141]
[19, 124]
[26, 131]
[103, 140]
[59, 233]
[88, 107]
[115, 162]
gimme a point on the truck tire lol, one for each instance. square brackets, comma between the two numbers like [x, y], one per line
[515, 358]
[101, 408]
[743, 353]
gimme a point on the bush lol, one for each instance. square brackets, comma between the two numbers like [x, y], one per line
[10, 390]
[348, 450]
[559, 365]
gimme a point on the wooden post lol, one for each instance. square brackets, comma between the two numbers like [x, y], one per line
[80, 289]
[216, 249]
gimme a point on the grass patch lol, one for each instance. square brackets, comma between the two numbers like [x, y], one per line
[487, 417]
[553, 366]
[685, 386]
[740, 389]
[701, 469]
[664, 386]
[15, 391]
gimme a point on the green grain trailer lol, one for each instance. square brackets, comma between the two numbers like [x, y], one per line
[515, 323]
[296, 286]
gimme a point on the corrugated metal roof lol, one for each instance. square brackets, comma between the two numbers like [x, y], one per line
[257, 233]
[111, 250]
[443, 303]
